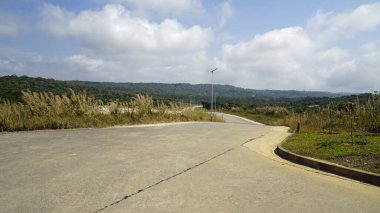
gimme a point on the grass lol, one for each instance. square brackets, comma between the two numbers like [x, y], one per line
[324, 137]
[338, 148]
[349, 116]
[264, 118]
[79, 110]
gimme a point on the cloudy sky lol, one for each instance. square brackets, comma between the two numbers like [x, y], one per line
[328, 45]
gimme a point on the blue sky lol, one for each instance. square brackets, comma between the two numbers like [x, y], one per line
[290, 44]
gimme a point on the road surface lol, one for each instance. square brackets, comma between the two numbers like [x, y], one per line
[185, 167]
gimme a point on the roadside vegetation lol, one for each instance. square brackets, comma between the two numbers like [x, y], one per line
[41, 110]
[342, 128]
[347, 133]
[337, 148]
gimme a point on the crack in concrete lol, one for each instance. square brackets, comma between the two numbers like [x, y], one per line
[252, 139]
[175, 175]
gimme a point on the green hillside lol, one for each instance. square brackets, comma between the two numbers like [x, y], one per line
[227, 95]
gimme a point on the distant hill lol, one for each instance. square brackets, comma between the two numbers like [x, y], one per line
[11, 87]
[183, 89]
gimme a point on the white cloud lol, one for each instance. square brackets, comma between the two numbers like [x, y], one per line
[114, 30]
[118, 46]
[330, 26]
[333, 55]
[14, 61]
[11, 66]
[368, 47]
[303, 58]
[289, 58]
[275, 55]
[227, 12]
[190, 67]
[85, 62]
[166, 6]
[358, 74]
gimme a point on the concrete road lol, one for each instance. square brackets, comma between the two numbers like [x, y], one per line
[188, 167]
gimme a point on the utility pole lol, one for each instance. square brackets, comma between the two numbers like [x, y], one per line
[212, 92]
[215, 102]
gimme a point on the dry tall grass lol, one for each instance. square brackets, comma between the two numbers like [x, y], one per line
[351, 116]
[79, 110]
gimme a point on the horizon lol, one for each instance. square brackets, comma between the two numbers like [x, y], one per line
[324, 46]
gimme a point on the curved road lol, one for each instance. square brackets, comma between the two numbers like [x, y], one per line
[185, 167]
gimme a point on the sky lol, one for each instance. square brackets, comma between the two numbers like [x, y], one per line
[324, 45]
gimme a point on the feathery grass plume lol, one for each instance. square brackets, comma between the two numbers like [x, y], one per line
[143, 104]
[78, 110]
[81, 103]
[174, 108]
[274, 111]
[35, 103]
[199, 115]
[162, 109]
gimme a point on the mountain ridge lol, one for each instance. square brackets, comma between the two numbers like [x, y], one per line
[11, 87]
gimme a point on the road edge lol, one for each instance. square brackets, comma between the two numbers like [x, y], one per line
[355, 174]
[242, 118]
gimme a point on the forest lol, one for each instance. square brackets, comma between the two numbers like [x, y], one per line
[227, 96]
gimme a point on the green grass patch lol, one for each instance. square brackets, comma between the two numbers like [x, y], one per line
[361, 153]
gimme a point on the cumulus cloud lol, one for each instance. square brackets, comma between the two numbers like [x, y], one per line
[303, 58]
[11, 66]
[330, 26]
[114, 30]
[273, 55]
[85, 62]
[357, 74]
[332, 55]
[14, 61]
[191, 67]
[115, 44]
[118, 46]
